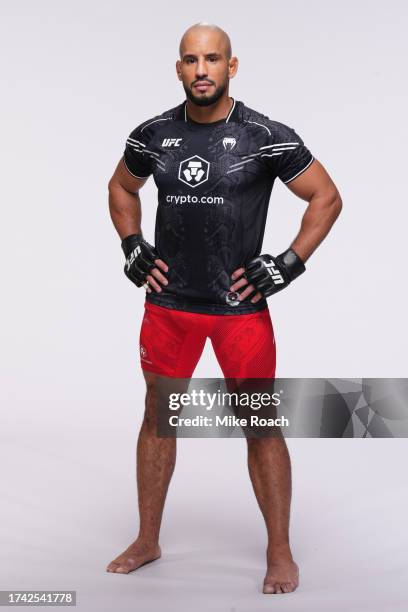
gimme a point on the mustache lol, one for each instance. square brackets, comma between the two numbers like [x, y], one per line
[202, 81]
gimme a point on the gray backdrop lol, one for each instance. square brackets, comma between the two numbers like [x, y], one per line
[77, 77]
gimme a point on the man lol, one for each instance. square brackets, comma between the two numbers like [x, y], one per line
[214, 161]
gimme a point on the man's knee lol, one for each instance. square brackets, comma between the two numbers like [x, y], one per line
[158, 391]
[266, 442]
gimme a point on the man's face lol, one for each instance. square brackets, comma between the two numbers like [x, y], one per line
[205, 68]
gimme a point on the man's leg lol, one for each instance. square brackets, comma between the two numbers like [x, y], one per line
[245, 348]
[270, 472]
[171, 343]
[156, 458]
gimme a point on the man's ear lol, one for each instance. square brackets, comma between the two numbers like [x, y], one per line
[178, 69]
[232, 67]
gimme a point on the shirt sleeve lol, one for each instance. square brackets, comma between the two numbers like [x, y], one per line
[136, 154]
[286, 155]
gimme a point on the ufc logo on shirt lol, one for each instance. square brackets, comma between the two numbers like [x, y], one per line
[168, 142]
[275, 274]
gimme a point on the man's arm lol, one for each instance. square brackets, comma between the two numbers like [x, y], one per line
[325, 204]
[316, 187]
[124, 201]
[126, 213]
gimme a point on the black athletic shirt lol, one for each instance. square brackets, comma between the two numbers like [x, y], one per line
[214, 182]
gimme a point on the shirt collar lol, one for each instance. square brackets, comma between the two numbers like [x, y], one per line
[232, 116]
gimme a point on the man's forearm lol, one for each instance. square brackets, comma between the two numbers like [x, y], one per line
[317, 221]
[125, 211]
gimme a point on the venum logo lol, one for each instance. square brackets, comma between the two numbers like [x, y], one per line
[194, 171]
[229, 143]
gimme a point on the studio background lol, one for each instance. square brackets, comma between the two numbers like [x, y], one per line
[77, 78]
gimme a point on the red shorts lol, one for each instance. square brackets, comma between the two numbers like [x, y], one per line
[172, 341]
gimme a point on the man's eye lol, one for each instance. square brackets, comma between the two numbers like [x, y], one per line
[212, 59]
[190, 60]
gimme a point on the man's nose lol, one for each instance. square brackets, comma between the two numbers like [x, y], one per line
[201, 70]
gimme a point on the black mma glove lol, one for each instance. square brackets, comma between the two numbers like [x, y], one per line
[272, 274]
[140, 256]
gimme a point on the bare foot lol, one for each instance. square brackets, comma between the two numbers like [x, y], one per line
[135, 556]
[282, 575]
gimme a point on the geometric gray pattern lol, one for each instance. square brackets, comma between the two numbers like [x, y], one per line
[314, 407]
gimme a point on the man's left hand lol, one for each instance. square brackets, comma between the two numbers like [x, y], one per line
[265, 275]
[243, 282]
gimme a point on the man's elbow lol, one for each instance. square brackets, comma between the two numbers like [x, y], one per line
[115, 190]
[335, 204]
[112, 184]
[114, 196]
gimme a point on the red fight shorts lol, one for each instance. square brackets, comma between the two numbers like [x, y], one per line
[172, 341]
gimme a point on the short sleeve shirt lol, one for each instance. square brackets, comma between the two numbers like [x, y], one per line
[214, 184]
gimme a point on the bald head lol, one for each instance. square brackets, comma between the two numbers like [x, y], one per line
[205, 66]
[206, 31]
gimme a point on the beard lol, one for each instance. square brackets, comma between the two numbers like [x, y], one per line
[204, 100]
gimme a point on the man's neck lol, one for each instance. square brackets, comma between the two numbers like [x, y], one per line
[208, 114]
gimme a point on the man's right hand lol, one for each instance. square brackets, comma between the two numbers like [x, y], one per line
[142, 263]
